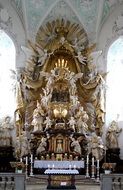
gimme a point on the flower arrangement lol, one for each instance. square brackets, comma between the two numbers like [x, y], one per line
[17, 165]
[20, 165]
[108, 166]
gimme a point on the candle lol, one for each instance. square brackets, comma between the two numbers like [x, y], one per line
[26, 160]
[70, 167]
[97, 163]
[31, 158]
[93, 161]
[21, 160]
[74, 167]
[87, 159]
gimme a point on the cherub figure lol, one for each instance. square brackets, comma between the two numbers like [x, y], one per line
[72, 123]
[81, 58]
[63, 40]
[48, 123]
[76, 45]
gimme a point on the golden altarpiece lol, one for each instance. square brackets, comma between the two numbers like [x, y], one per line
[60, 94]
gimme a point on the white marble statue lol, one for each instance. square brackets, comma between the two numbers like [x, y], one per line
[76, 146]
[43, 55]
[96, 146]
[42, 146]
[48, 123]
[72, 123]
[24, 143]
[81, 58]
[112, 135]
[38, 115]
[6, 127]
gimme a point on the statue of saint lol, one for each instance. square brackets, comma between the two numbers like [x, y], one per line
[24, 144]
[112, 135]
[42, 146]
[76, 146]
[96, 147]
[72, 123]
[6, 137]
[38, 118]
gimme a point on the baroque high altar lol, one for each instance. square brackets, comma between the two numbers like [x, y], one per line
[60, 95]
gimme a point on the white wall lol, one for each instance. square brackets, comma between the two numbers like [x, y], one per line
[108, 34]
[15, 29]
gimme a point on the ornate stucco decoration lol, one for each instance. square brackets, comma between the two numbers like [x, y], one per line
[5, 20]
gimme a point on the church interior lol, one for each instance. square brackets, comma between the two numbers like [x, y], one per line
[66, 126]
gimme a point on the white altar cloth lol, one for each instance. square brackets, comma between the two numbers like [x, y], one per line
[58, 164]
[69, 171]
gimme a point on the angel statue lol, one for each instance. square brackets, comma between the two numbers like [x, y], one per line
[43, 55]
[72, 78]
[76, 45]
[49, 77]
[76, 146]
[45, 98]
[81, 58]
[72, 123]
[63, 40]
[48, 123]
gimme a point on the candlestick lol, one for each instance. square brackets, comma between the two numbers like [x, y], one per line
[97, 163]
[92, 169]
[87, 159]
[53, 166]
[93, 161]
[31, 158]
[98, 173]
[26, 160]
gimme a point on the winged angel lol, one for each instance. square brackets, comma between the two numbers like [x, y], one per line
[72, 78]
[35, 55]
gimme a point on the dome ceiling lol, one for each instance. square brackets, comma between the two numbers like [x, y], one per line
[90, 14]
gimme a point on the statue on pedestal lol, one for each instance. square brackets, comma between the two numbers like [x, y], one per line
[112, 135]
[96, 147]
[6, 127]
[42, 146]
[38, 118]
[76, 146]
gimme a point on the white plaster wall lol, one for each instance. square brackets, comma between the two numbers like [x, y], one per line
[106, 37]
[16, 32]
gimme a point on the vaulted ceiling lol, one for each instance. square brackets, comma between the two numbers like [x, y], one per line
[89, 14]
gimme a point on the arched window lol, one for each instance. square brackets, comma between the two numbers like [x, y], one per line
[7, 62]
[114, 94]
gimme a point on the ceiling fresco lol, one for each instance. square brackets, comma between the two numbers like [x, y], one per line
[90, 14]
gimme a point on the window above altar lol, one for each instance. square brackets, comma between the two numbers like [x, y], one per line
[7, 63]
[114, 92]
